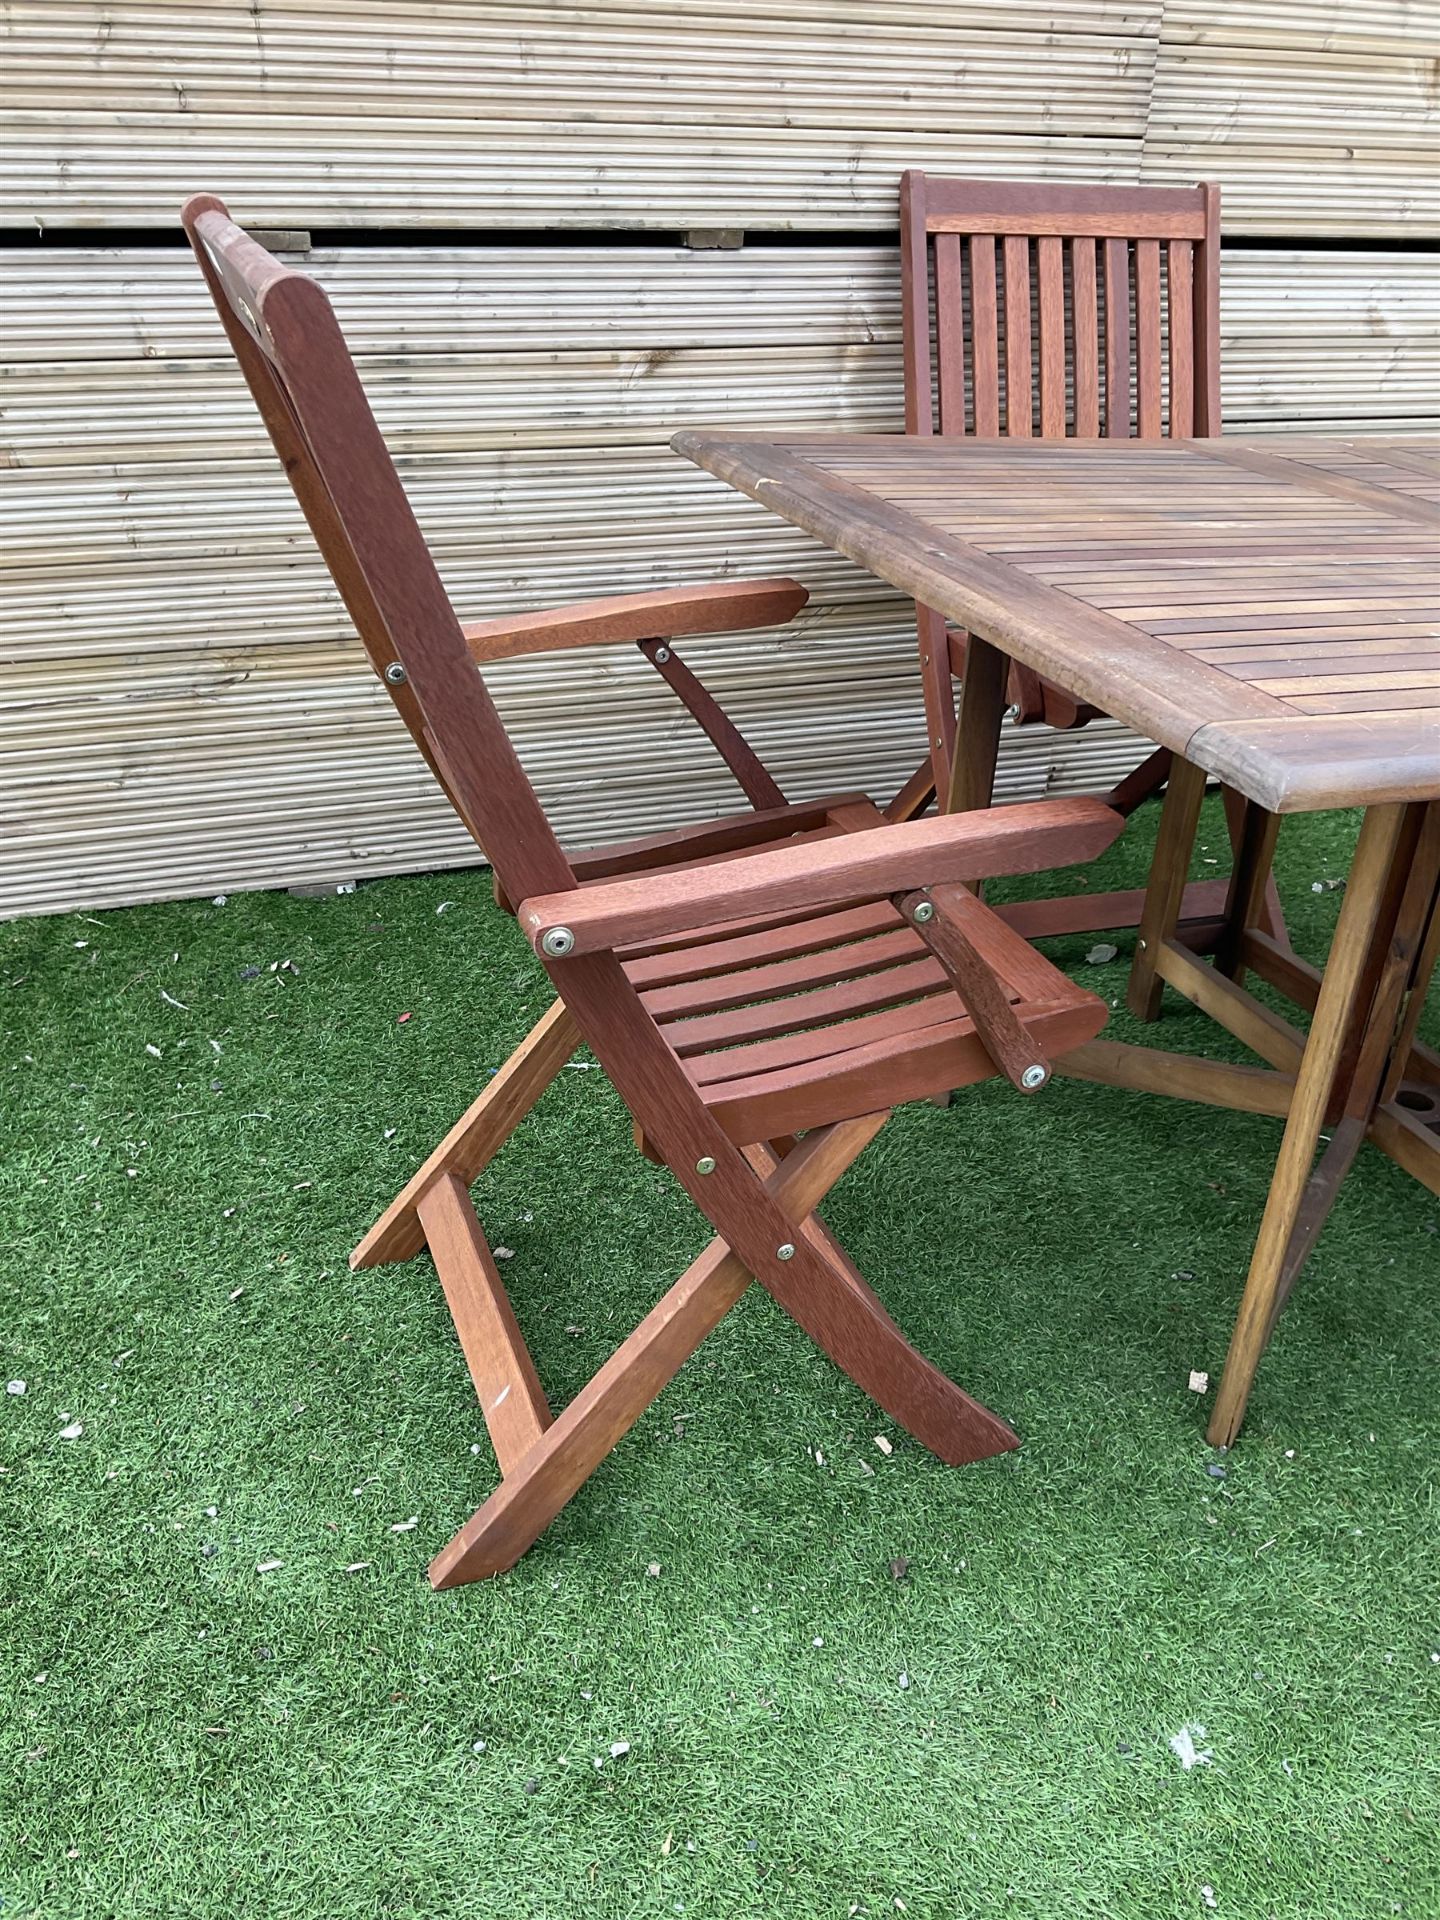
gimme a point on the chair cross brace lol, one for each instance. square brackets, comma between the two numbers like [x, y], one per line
[544, 1460]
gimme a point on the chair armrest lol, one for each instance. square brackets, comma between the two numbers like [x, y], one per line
[723, 606]
[1025, 838]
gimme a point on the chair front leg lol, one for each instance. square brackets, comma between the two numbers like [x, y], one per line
[543, 1480]
[956, 1428]
[476, 1137]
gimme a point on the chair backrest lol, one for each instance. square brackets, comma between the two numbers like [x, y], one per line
[298, 368]
[1039, 294]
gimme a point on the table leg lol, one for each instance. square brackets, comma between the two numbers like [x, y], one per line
[1367, 1036]
[1165, 890]
[1397, 966]
[1287, 1220]
[1252, 900]
[977, 733]
[1401, 1059]
[1379, 1027]
[937, 683]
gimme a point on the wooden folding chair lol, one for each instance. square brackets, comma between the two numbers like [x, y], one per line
[1046, 311]
[795, 971]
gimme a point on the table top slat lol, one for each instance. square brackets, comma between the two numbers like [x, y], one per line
[1269, 608]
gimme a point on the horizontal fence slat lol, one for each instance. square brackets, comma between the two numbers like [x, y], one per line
[773, 114]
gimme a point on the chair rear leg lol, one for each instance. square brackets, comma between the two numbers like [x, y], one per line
[937, 685]
[1141, 783]
[506, 1383]
[916, 794]
[1165, 892]
[538, 1484]
[1254, 898]
[848, 1323]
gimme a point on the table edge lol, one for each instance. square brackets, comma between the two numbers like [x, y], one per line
[1396, 760]
[742, 461]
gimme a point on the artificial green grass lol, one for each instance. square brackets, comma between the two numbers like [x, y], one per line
[186, 1736]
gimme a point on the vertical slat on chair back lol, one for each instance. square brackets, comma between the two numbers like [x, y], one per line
[299, 370]
[1060, 310]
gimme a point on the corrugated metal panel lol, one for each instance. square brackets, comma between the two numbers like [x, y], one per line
[145, 303]
[184, 708]
[692, 65]
[278, 171]
[1329, 336]
[296, 772]
[625, 343]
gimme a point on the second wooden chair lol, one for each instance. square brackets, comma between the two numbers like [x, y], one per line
[1039, 311]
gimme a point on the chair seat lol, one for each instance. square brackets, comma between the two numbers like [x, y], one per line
[794, 1022]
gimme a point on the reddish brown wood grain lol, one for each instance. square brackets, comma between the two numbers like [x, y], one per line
[1035, 207]
[1207, 316]
[1148, 335]
[969, 846]
[1009, 1043]
[941, 1057]
[706, 946]
[722, 606]
[985, 337]
[1050, 274]
[752, 776]
[1117, 340]
[949, 332]
[1180, 269]
[1055, 387]
[1018, 400]
[707, 839]
[506, 1383]
[1086, 325]
[915, 304]
[1269, 608]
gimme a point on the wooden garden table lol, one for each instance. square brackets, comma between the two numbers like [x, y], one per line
[1267, 609]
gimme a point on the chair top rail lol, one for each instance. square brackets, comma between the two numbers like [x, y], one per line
[1039, 208]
